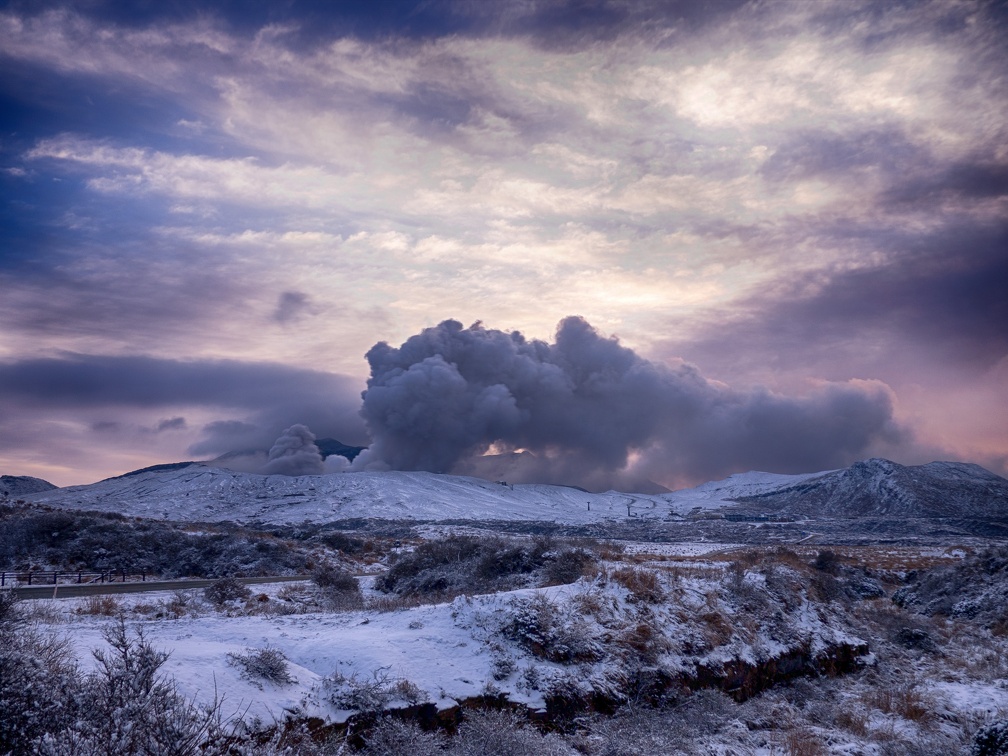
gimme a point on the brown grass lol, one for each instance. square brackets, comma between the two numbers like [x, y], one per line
[644, 585]
[104, 606]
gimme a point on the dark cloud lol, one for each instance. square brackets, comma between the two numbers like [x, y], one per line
[170, 424]
[973, 180]
[316, 22]
[291, 306]
[811, 154]
[100, 380]
[268, 397]
[593, 409]
[941, 295]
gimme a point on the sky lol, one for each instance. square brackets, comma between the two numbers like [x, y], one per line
[592, 242]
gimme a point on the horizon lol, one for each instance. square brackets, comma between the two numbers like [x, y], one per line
[645, 241]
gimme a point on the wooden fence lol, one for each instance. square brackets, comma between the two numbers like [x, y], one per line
[64, 577]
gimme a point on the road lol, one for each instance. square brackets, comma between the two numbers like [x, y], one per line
[73, 590]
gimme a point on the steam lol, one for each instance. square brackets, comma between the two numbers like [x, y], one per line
[594, 413]
[295, 453]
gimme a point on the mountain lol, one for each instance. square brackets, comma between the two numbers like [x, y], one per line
[16, 486]
[204, 492]
[874, 489]
[330, 446]
[880, 488]
[326, 446]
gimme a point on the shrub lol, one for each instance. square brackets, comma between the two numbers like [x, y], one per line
[369, 694]
[393, 737]
[38, 678]
[339, 588]
[541, 627]
[567, 566]
[127, 706]
[991, 740]
[503, 733]
[262, 664]
[224, 590]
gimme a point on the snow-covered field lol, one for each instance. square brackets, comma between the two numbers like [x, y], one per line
[590, 637]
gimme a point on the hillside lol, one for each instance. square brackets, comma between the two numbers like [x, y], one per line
[880, 488]
[16, 486]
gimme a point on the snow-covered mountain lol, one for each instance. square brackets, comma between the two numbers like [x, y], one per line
[200, 492]
[880, 488]
[16, 486]
[204, 493]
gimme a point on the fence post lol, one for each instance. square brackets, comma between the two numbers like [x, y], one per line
[78, 577]
[55, 577]
[29, 578]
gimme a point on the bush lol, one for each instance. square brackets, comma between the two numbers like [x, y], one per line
[38, 679]
[457, 565]
[542, 628]
[224, 590]
[393, 737]
[262, 664]
[991, 740]
[339, 588]
[504, 733]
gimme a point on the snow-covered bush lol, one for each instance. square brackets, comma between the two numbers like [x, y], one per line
[38, 678]
[224, 590]
[457, 565]
[974, 589]
[127, 706]
[504, 733]
[70, 540]
[262, 664]
[393, 737]
[991, 740]
[551, 631]
[340, 590]
[369, 694]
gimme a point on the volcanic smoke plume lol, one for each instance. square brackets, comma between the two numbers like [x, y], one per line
[592, 412]
[295, 453]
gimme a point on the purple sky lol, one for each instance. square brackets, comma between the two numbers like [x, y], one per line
[792, 216]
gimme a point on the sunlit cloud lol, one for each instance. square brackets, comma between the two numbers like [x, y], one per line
[772, 190]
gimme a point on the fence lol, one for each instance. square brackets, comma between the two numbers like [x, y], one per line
[63, 577]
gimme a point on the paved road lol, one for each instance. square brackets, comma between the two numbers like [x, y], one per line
[72, 590]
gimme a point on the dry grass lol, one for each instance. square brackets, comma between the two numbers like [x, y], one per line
[802, 741]
[103, 606]
[904, 701]
[644, 585]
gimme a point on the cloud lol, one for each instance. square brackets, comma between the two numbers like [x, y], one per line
[291, 306]
[597, 412]
[170, 424]
[253, 402]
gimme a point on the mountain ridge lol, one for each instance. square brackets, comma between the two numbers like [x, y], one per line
[881, 488]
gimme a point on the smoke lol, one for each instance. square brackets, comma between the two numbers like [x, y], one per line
[295, 453]
[591, 412]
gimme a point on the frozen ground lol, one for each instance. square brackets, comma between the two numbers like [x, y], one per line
[593, 634]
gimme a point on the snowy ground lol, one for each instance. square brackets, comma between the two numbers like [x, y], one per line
[446, 653]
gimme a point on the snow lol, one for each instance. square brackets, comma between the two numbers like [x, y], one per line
[203, 493]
